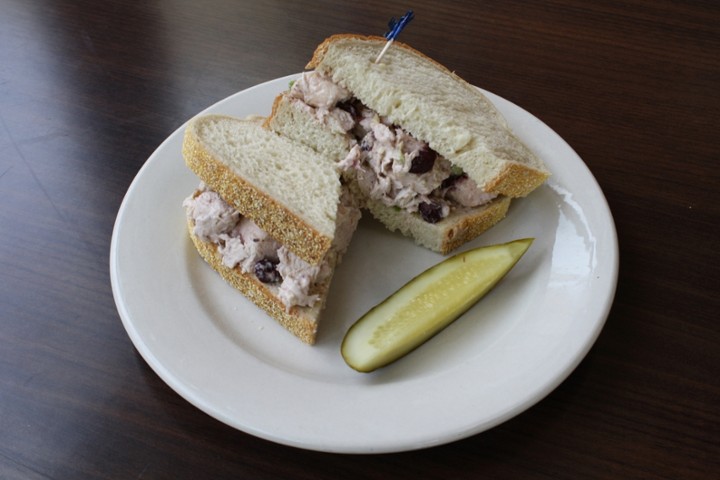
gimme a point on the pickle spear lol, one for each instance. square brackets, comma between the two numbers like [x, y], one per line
[427, 304]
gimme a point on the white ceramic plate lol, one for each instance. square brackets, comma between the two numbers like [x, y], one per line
[232, 361]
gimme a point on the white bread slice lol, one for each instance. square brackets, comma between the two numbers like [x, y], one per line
[292, 121]
[289, 190]
[434, 105]
[456, 229]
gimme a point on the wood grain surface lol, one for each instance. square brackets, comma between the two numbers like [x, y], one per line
[89, 89]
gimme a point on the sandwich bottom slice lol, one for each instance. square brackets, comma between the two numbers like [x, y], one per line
[289, 289]
[458, 228]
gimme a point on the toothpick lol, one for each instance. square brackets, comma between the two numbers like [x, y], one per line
[396, 26]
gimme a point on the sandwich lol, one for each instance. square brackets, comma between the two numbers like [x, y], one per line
[428, 153]
[271, 216]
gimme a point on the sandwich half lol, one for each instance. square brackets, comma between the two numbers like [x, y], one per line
[427, 152]
[271, 216]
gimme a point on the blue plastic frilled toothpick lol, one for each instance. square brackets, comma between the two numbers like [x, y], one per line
[396, 26]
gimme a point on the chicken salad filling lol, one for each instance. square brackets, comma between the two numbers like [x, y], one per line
[242, 244]
[390, 165]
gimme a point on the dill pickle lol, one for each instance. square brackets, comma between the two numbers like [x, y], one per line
[427, 304]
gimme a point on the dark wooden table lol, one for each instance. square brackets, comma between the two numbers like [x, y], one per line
[89, 89]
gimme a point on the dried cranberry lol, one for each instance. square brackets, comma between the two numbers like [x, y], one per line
[351, 107]
[430, 212]
[266, 271]
[366, 145]
[452, 180]
[424, 161]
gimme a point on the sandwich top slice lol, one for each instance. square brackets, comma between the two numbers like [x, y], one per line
[270, 216]
[291, 192]
[429, 153]
[433, 105]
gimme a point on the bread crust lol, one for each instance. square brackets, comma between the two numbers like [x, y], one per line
[516, 180]
[282, 224]
[322, 49]
[300, 321]
[276, 105]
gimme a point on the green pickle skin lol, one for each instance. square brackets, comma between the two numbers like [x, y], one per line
[427, 304]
